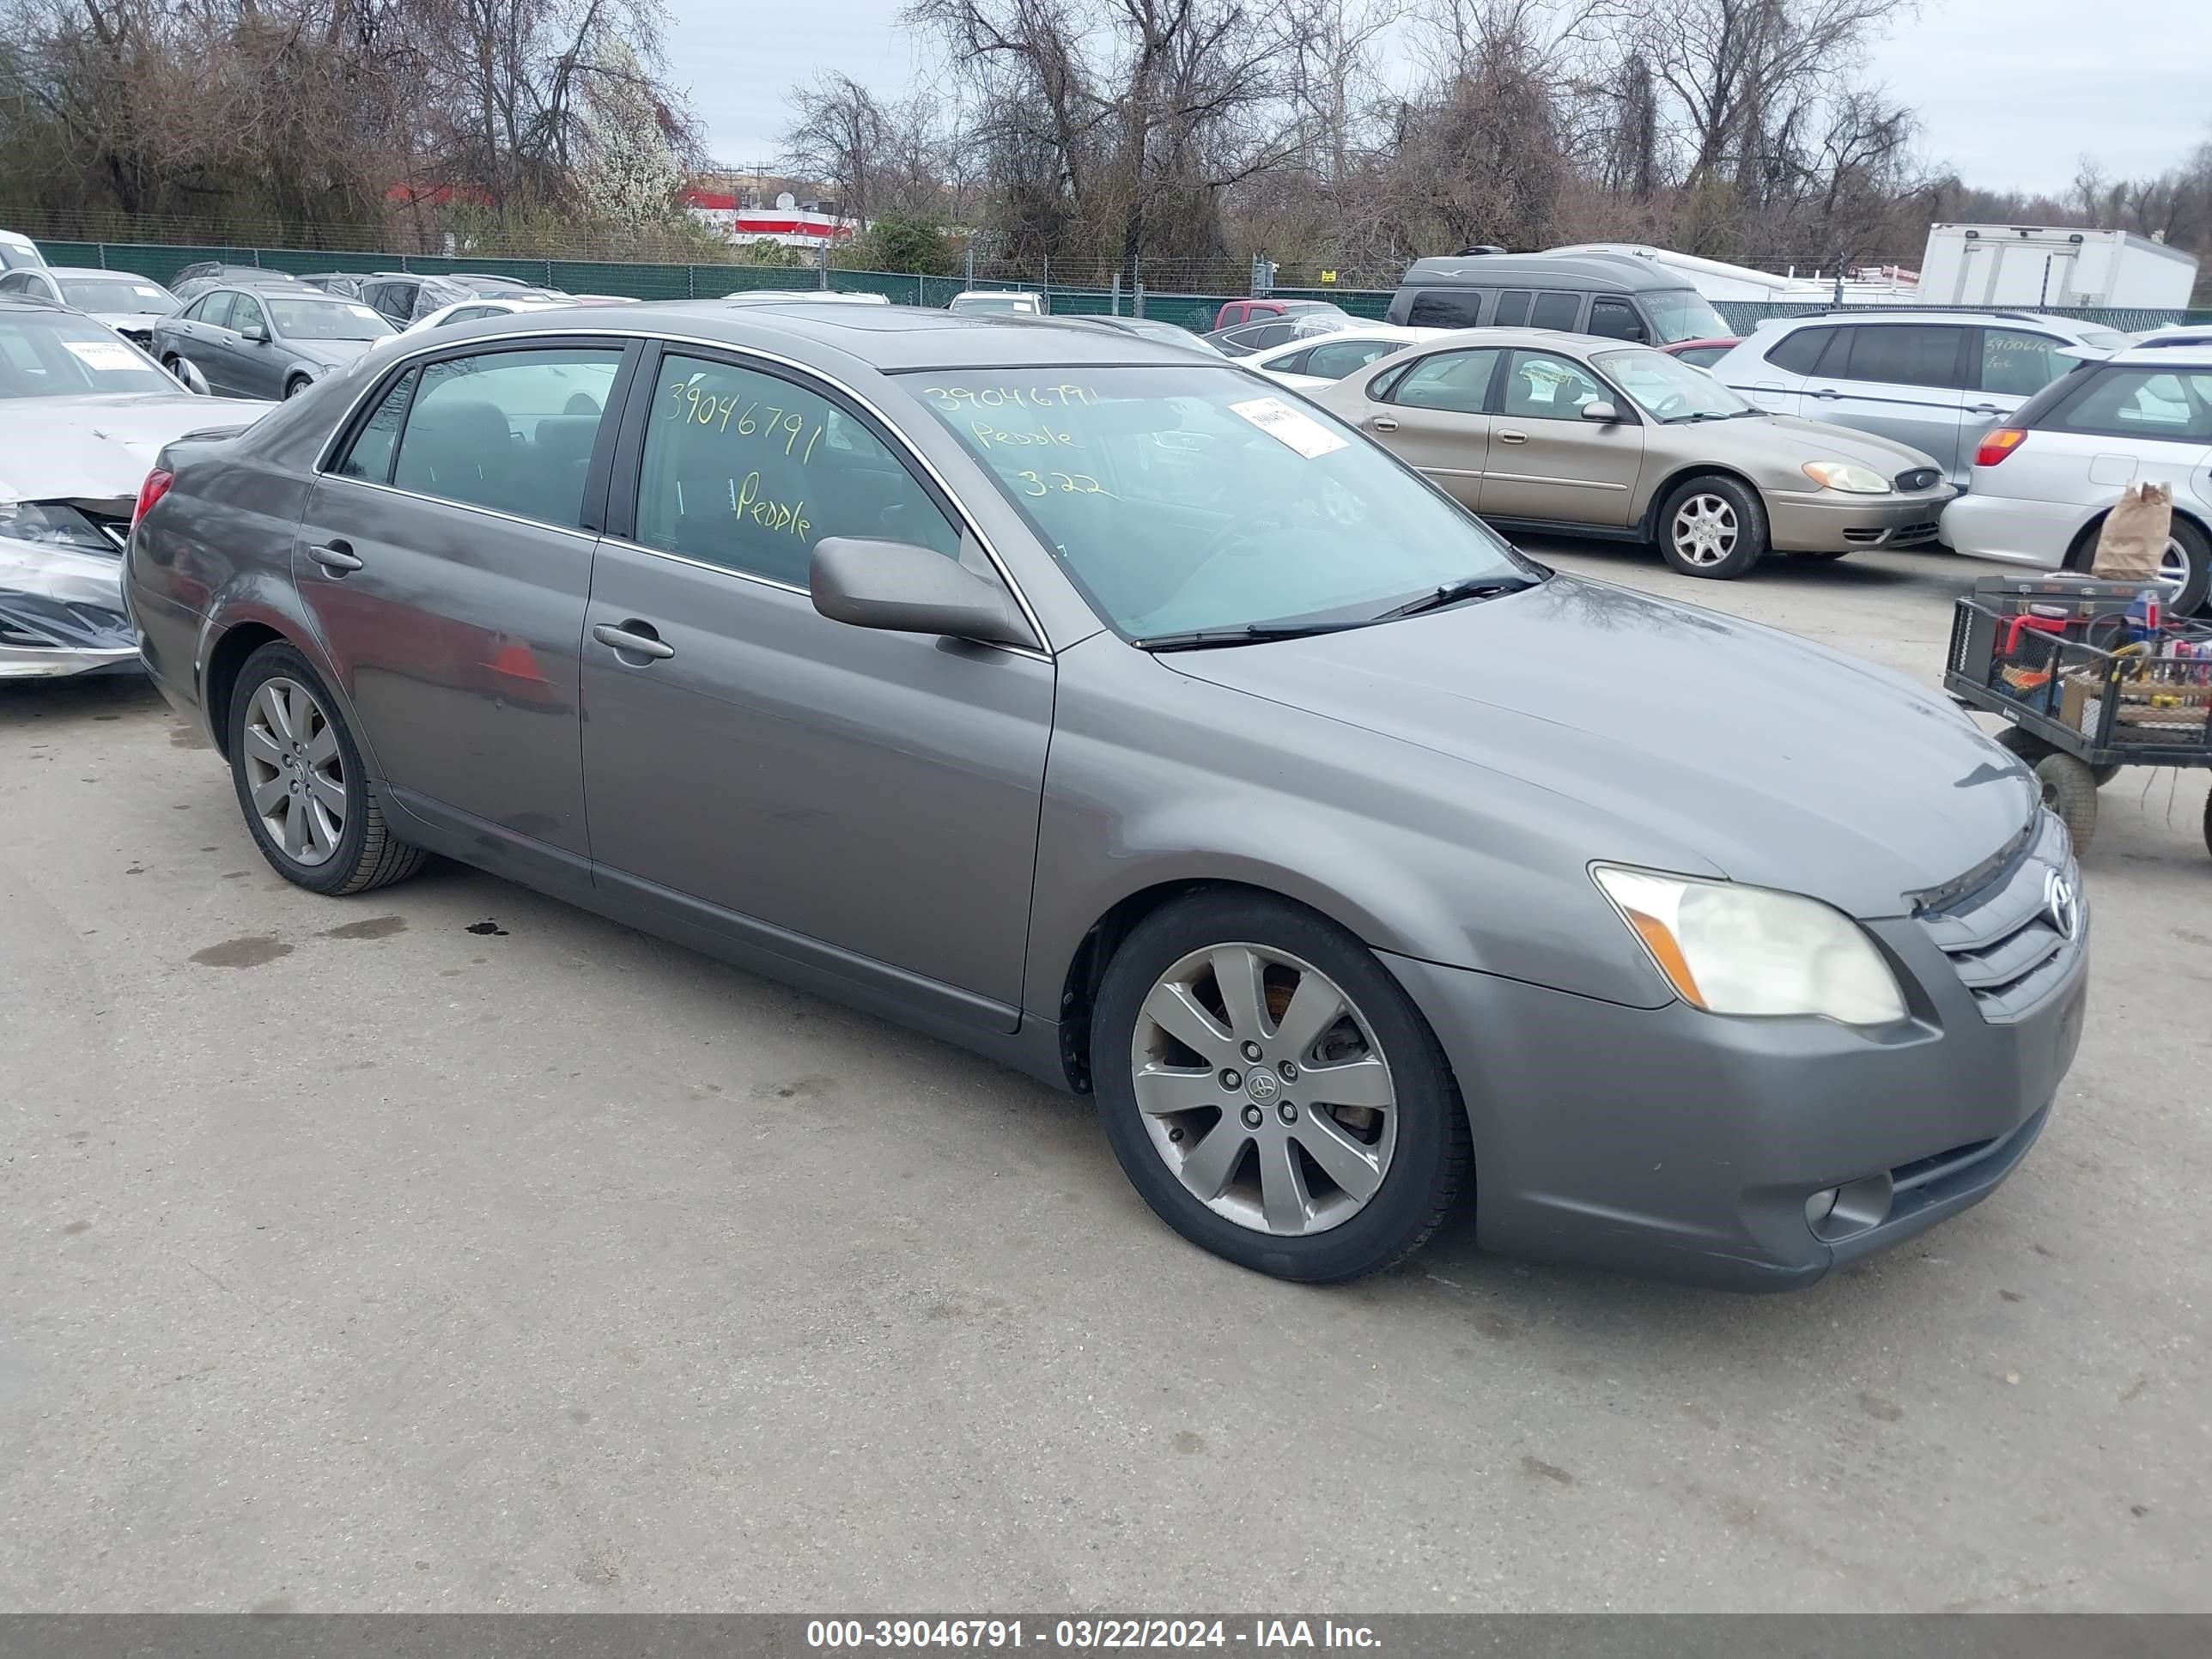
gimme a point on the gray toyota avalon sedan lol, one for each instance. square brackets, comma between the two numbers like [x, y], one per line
[1109, 712]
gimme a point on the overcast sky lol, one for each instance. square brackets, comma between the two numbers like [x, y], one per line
[2013, 93]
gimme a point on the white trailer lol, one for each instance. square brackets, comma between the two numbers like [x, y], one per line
[2034, 266]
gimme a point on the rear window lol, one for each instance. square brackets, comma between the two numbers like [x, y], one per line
[1444, 307]
[2170, 405]
[1796, 353]
[1557, 311]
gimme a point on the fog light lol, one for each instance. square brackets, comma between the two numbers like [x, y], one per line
[1821, 1206]
[1837, 1213]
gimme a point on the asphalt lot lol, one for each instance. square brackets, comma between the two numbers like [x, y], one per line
[447, 1248]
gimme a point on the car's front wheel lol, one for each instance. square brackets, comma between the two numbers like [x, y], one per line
[1713, 527]
[295, 385]
[302, 784]
[1272, 1092]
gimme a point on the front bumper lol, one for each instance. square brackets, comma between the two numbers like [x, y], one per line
[1684, 1146]
[19, 663]
[1828, 521]
[2015, 531]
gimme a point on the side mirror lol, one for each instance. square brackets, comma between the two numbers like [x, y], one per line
[193, 380]
[255, 332]
[908, 589]
[1605, 413]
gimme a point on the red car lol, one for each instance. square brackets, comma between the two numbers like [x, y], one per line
[1699, 354]
[1252, 311]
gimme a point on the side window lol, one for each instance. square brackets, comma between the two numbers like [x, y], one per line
[216, 308]
[2140, 402]
[1798, 352]
[1513, 308]
[1294, 364]
[15, 282]
[747, 471]
[1444, 307]
[1260, 336]
[1334, 362]
[370, 455]
[1903, 354]
[509, 430]
[1615, 320]
[1557, 311]
[1542, 387]
[246, 313]
[1458, 382]
[2018, 364]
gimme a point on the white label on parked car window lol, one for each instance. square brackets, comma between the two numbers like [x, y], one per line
[1280, 421]
[104, 354]
[361, 310]
[145, 292]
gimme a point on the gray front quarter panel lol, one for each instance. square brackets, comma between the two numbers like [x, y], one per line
[1156, 778]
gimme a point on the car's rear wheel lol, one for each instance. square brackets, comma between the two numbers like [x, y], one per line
[1272, 1092]
[1713, 527]
[2185, 569]
[302, 784]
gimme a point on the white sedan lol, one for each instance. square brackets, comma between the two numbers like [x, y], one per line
[1309, 364]
[468, 310]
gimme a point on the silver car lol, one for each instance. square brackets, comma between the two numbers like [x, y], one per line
[265, 343]
[1933, 379]
[129, 304]
[1113, 713]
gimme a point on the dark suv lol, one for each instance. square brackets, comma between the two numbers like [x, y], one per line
[1615, 296]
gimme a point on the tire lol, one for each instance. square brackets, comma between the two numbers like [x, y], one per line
[2104, 774]
[1283, 1215]
[2024, 744]
[2187, 545]
[2208, 821]
[2069, 789]
[350, 851]
[294, 386]
[1731, 536]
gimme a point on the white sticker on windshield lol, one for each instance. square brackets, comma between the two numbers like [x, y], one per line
[361, 310]
[1286, 425]
[144, 292]
[104, 354]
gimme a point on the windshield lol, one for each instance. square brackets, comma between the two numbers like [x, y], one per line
[1184, 498]
[54, 355]
[1667, 389]
[325, 320]
[1683, 314]
[116, 294]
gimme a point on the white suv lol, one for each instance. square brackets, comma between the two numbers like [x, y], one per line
[2044, 481]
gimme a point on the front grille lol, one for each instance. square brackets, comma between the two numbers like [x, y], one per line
[1898, 536]
[2003, 936]
[1907, 534]
[1916, 478]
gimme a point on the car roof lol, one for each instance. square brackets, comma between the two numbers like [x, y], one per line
[888, 338]
[2175, 354]
[1604, 273]
[1912, 313]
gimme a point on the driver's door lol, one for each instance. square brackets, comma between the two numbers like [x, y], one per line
[257, 360]
[854, 800]
[1545, 461]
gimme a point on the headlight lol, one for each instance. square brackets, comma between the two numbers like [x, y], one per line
[1851, 480]
[1734, 950]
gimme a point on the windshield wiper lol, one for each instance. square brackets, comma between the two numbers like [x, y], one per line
[1475, 587]
[1200, 639]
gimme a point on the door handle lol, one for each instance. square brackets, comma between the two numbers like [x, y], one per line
[1510, 436]
[1825, 392]
[633, 637]
[1987, 409]
[1382, 424]
[336, 558]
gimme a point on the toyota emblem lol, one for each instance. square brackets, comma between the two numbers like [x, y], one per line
[2058, 899]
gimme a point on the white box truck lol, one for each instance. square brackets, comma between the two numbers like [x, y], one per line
[2033, 266]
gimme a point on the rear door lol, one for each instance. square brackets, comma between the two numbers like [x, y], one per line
[845, 797]
[1905, 381]
[1774, 379]
[1545, 461]
[446, 559]
[1435, 416]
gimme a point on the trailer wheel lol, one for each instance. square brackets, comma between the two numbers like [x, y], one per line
[2104, 774]
[2024, 744]
[2069, 789]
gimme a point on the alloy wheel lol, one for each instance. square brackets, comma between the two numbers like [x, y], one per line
[295, 771]
[1705, 530]
[1263, 1089]
[2174, 570]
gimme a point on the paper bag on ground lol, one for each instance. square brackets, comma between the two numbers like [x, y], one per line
[2133, 538]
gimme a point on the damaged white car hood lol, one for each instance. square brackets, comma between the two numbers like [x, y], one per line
[100, 448]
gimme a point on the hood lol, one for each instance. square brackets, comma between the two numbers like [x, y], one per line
[1817, 441]
[100, 447]
[1775, 762]
[331, 353]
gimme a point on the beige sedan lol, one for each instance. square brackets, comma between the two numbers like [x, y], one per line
[1535, 429]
